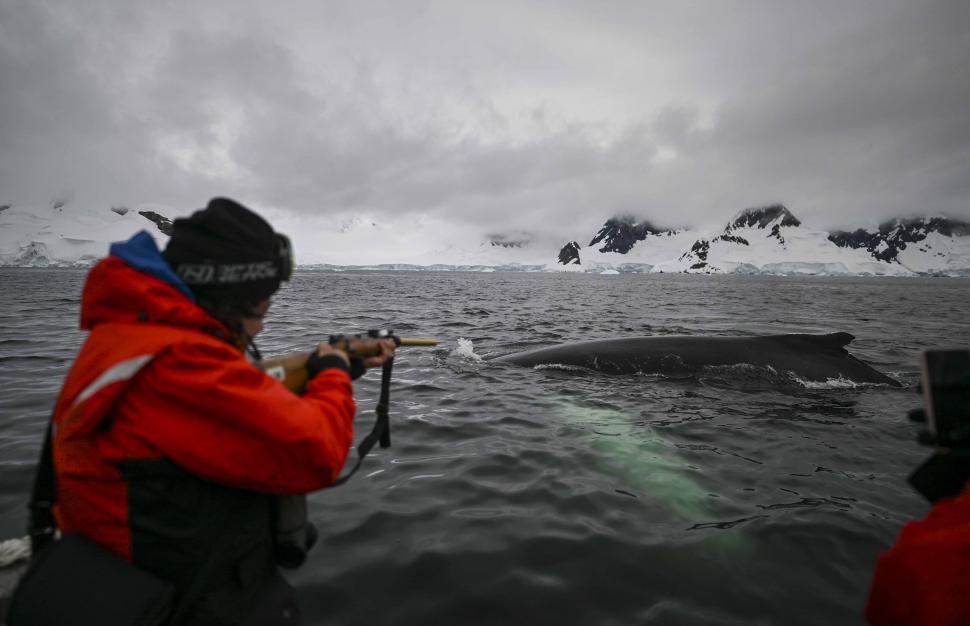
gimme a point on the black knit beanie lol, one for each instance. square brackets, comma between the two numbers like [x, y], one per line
[227, 253]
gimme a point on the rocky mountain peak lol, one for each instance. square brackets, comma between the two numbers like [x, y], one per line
[163, 223]
[619, 234]
[775, 215]
[569, 254]
[894, 235]
[697, 255]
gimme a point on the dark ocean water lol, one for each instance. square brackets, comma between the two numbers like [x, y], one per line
[514, 496]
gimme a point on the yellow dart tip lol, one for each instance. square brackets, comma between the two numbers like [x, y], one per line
[414, 341]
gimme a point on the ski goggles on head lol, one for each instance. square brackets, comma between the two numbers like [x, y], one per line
[263, 275]
[284, 262]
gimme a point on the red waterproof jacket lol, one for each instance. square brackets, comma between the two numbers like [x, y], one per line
[157, 379]
[925, 578]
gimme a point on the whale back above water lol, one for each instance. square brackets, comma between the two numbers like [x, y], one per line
[816, 358]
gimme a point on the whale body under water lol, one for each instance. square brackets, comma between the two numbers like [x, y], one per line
[816, 358]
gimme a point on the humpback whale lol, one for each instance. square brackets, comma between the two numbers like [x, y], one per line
[816, 358]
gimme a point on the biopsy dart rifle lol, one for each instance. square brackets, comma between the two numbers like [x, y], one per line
[291, 368]
[294, 534]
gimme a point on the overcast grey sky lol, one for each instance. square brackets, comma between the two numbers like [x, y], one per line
[508, 114]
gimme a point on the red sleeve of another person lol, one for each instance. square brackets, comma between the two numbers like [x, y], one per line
[925, 578]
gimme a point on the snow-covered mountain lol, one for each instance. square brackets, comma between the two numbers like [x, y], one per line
[771, 240]
[935, 245]
[765, 240]
[63, 234]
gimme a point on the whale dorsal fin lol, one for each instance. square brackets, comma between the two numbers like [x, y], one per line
[836, 340]
[830, 341]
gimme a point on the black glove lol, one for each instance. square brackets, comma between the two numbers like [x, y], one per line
[357, 368]
[316, 364]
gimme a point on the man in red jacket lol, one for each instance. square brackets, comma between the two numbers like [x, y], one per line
[170, 447]
[924, 580]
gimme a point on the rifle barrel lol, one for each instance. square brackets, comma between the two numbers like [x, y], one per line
[415, 341]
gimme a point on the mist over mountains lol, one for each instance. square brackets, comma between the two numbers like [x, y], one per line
[762, 240]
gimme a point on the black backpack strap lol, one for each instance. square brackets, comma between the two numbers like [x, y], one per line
[382, 427]
[41, 523]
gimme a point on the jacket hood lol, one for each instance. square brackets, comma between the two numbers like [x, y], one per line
[135, 284]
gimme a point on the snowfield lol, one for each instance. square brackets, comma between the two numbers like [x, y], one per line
[768, 241]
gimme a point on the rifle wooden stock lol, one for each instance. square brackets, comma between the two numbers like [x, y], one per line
[290, 369]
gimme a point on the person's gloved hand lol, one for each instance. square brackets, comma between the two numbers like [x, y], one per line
[326, 356]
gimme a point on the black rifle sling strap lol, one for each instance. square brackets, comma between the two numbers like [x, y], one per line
[382, 427]
[41, 525]
[382, 405]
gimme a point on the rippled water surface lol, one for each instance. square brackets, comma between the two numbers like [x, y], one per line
[515, 495]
